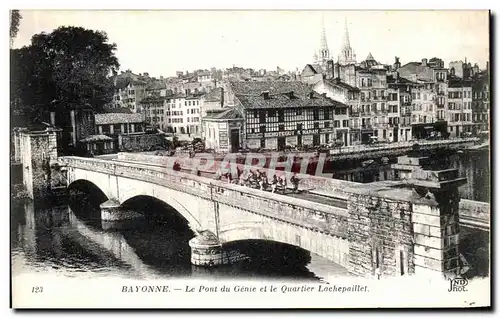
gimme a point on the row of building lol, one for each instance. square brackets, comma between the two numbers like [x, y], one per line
[329, 101]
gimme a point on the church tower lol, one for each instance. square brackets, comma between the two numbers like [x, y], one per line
[323, 54]
[347, 55]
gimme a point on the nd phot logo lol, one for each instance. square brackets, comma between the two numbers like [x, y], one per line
[458, 284]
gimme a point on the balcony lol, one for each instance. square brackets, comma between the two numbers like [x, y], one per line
[440, 93]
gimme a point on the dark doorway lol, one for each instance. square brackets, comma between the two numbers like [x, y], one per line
[263, 143]
[299, 140]
[281, 143]
[316, 140]
[365, 137]
[235, 140]
[395, 134]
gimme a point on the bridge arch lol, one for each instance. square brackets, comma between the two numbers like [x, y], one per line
[333, 248]
[169, 202]
[89, 188]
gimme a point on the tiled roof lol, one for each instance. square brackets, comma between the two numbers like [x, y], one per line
[96, 138]
[118, 118]
[156, 86]
[124, 110]
[343, 85]
[400, 80]
[214, 95]
[231, 113]
[250, 95]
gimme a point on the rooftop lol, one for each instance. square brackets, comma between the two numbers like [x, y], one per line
[281, 94]
[339, 83]
[223, 113]
[117, 118]
[214, 95]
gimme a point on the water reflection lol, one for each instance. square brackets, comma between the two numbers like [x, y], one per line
[69, 240]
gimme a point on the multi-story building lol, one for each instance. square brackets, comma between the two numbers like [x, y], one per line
[153, 109]
[481, 102]
[346, 123]
[423, 115]
[399, 94]
[372, 83]
[459, 106]
[432, 79]
[279, 114]
[192, 113]
[130, 89]
[174, 114]
[462, 69]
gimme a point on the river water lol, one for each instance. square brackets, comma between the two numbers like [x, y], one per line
[472, 165]
[71, 240]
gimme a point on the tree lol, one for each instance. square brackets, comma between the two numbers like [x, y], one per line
[63, 70]
[15, 19]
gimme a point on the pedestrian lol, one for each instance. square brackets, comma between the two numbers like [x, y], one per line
[274, 183]
[295, 182]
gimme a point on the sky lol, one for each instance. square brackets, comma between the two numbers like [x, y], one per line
[163, 42]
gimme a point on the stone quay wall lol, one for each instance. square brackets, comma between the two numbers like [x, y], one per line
[380, 233]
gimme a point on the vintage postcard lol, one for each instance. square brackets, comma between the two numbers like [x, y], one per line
[250, 159]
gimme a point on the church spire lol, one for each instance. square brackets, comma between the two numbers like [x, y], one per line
[347, 55]
[346, 44]
[323, 54]
[323, 46]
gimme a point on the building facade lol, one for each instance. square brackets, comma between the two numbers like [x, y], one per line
[222, 129]
[459, 107]
[281, 114]
[481, 102]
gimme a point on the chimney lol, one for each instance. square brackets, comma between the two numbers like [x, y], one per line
[424, 62]
[265, 94]
[53, 118]
[222, 97]
[330, 69]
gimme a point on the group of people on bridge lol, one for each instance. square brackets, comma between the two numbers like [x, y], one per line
[259, 180]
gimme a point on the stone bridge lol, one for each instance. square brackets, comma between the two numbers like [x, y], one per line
[399, 228]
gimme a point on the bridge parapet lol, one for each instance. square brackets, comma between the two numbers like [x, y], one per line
[312, 215]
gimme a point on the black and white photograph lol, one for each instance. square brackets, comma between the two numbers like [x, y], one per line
[183, 159]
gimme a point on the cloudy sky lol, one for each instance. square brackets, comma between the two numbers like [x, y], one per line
[162, 42]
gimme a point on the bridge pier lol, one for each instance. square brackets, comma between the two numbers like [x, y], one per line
[114, 216]
[207, 251]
